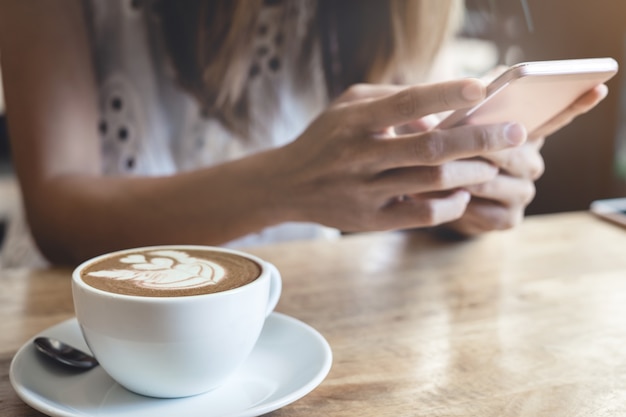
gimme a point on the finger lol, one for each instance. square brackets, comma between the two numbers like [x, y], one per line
[440, 146]
[523, 162]
[367, 91]
[423, 124]
[424, 211]
[582, 105]
[448, 176]
[371, 91]
[468, 225]
[415, 102]
[505, 190]
[484, 216]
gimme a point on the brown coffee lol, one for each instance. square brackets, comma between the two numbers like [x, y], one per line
[170, 272]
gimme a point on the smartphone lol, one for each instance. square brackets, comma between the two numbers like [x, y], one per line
[532, 93]
[612, 209]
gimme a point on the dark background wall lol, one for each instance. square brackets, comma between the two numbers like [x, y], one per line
[5, 166]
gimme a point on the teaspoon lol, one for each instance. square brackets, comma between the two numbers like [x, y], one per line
[64, 353]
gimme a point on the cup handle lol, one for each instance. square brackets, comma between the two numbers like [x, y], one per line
[276, 287]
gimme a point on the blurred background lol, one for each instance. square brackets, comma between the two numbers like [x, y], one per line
[5, 164]
[584, 161]
[587, 159]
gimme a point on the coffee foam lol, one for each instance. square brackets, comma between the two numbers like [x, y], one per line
[171, 272]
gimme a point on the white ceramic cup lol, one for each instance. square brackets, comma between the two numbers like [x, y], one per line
[170, 347]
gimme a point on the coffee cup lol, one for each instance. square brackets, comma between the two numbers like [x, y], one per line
[173, 321]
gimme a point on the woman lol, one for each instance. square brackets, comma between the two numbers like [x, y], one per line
[239, 122]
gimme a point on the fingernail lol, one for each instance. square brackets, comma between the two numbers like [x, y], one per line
[515, 133]
[473, 91]
[465, 196]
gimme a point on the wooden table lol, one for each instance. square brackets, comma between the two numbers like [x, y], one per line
[530, 322]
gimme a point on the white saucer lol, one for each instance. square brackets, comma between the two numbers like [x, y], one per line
[289, 361]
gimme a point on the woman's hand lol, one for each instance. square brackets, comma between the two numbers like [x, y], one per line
[500, 203]
[351, 171]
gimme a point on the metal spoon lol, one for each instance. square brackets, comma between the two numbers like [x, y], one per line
[64, 353]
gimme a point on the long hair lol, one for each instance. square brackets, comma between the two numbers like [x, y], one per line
[209, 45]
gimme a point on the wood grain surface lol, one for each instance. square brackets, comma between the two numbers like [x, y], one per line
[528, 322]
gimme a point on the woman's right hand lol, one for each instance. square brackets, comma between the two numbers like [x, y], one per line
[350, 171]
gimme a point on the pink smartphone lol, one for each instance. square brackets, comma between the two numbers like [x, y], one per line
[532, 93]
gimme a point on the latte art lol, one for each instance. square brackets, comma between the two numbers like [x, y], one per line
[167, 269]
[170, 272]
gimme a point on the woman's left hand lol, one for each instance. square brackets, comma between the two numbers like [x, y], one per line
[500, 203]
